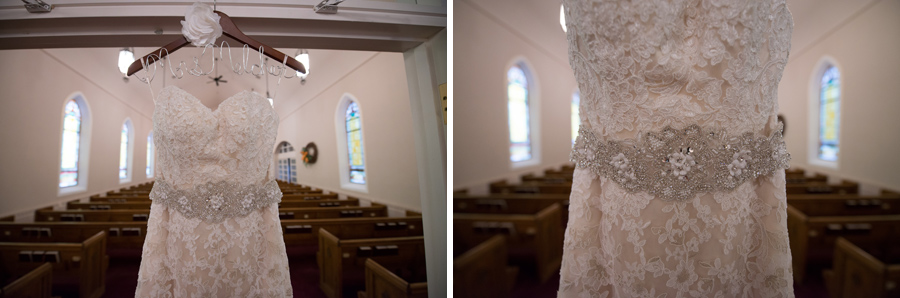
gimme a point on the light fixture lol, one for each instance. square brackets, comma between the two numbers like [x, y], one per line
[303, 58]
[562, 17]
[328, 8]
[126, 57]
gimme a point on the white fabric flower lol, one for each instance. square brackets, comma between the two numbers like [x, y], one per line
[739, 162]
[622, 164]
[201, 25]
[216, 201]
[681, 164]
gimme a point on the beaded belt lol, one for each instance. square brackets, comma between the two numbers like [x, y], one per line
[676, 164]
[214, 202]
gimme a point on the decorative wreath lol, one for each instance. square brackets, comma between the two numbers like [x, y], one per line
[309, 154]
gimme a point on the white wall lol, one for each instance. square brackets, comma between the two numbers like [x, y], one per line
[35, 88]
[483, 48]
[865, 45]
[379, 84]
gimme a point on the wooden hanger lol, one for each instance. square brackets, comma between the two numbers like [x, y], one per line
[228, 29]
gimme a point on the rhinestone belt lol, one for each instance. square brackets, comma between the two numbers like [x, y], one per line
[216, 201]
[675, 164]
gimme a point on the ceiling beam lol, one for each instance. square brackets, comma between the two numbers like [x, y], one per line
[358, 25]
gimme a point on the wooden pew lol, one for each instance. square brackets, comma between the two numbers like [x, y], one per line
[375, 210]
[144, 214]
[845, 204]
[78, 267]
[845, 187]
[802, 179]
[812, 238]
[146, 197]
[565, 170]
[540, 233]
[299, 190]
[547, 179]
[306, 231]
[858, 273]
[35, 283]
[342, 259]
[118, 234]
[383, 283]
[481, 272]
[531, 187]
[131, 235]
[145, 204]
[309, 196]
[511, 204]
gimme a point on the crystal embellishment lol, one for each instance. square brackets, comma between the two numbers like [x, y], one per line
[216, 201]
[676, 164]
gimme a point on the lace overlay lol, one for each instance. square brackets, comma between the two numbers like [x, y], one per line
[214, 229]
[644, 67]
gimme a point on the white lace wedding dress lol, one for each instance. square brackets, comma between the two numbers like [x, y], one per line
[679, 189]
[214, 229]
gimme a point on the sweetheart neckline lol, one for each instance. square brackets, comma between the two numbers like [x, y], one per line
[197, 100]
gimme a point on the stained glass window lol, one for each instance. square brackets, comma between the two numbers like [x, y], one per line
[576, 118]
[71, 138]
[829, 114]
[519, 130]
[354, 144]
[150, 155]
[123, 153]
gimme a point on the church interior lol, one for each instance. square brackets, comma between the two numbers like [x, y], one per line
[360, 152]
[516, 119]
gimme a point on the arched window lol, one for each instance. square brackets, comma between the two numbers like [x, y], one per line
[519, 117]
[354, 144]
[287, 165]
[125, 152]
[150, 155]
[71, 141]
[75, 145]
[829, 114]
[348, 127]
[576, 117]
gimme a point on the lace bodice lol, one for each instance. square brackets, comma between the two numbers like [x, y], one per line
[196, 145]
[645, 65]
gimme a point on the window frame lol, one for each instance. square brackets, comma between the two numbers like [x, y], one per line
[815, 88]
[533, 105]
[84, 145]
[129, 152]
[343, 146]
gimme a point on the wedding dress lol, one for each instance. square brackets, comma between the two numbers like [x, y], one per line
[679, 188]
[214, 229]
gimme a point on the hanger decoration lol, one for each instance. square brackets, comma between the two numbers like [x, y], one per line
[202, 27]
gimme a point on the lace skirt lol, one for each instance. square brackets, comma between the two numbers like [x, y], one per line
[714, 244]
[237, 257]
